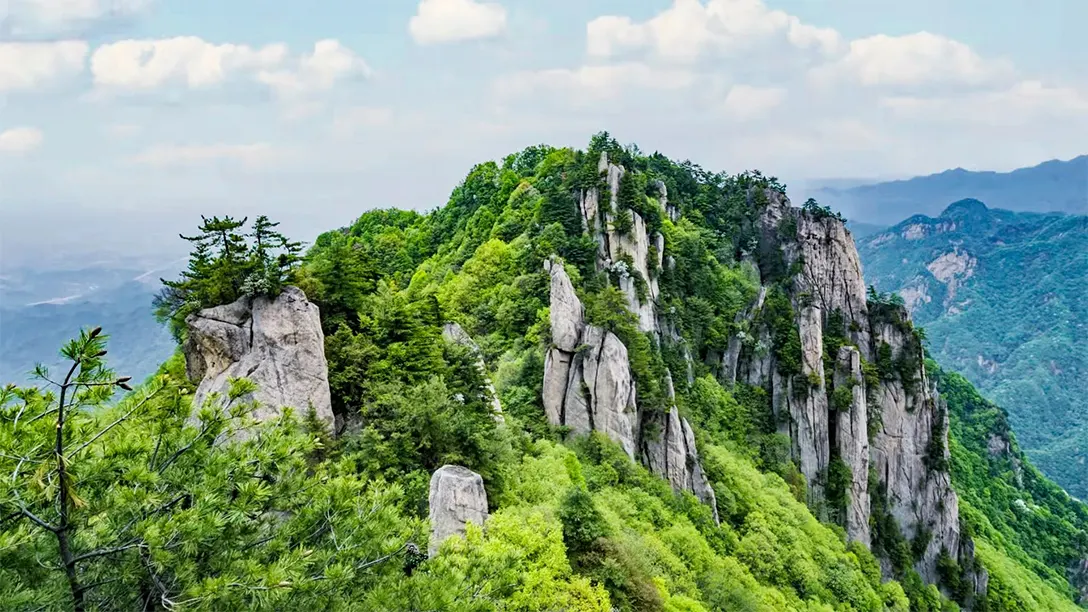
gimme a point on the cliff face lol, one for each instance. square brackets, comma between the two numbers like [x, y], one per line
[851, 394]
[887, 422]
[588, 382]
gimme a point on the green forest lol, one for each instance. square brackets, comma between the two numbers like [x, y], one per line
[121, 494]
[1019, 342]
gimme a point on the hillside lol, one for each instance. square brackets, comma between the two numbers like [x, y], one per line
[1052, 186]
[1001, 297]
[656, 387]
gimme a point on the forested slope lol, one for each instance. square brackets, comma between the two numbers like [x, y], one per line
[158, 510]
[1001, 295]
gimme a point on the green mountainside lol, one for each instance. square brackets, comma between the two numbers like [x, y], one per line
[1002, 298]
[164, 501]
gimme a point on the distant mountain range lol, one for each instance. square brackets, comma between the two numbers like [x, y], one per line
[1053, 186]
[1002, 296]
[42, 309]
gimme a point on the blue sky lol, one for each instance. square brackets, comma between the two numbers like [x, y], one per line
[129, 118]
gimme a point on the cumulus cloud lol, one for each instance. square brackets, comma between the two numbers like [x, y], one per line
[44, 17]
[690, 30]
[447, 21]
[329, 63]
[20, 140]
[194, 63]
[914, 60]
[185, 60]
[27, 66]
[170, 155]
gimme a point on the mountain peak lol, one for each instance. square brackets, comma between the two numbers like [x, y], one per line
[967, 207]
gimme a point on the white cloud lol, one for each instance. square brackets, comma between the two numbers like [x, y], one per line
[913, 60]
[746, 102]
[169, 155]
[50, 16]
[184, 60]
[27, 66]
[321, 69]
[689, 30]
[20, 140]
[447, 21]
[193, 63]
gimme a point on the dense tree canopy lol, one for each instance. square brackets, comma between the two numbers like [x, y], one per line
[134, 504]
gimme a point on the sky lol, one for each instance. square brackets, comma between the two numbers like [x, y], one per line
[122, 121]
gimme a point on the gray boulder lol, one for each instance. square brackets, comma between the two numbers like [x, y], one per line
[457, 497]
[277, 343]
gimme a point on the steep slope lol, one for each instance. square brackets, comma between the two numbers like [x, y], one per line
[1009, 504]
[701, 409]
[1001, 296]
[1052, 186]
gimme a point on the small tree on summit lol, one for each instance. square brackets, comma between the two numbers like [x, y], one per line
[226, 264]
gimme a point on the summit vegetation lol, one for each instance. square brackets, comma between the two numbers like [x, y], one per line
[110, 504]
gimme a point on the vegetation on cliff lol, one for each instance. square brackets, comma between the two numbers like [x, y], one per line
[164, 512]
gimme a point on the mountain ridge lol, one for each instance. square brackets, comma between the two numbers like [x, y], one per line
[962, 274]
[1051, 186]
[702, 407]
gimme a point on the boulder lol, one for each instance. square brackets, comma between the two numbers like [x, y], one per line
[277, 343]
[457, 497]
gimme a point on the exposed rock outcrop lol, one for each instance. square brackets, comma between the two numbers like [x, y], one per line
[853, 442]
[908, 449]
[669, 451]
[588, 385]
[823, 397]
[457, 497]
[276, 343]
[453, 332]
[615, 247]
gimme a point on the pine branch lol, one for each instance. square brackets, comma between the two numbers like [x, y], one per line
[105, 551]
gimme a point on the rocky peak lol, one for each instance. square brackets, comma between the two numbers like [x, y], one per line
[826, 408]
[277, 343]
[628, 253]
[589, 386]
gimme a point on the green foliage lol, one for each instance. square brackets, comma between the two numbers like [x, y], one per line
[778, 315]
[839, 480]
[818, 212]
[582, 523]
[1013, 327]
[1028, 520]
[225, 265]
[288, 517]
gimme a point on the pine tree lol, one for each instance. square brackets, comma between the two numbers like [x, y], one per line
[224, 266]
